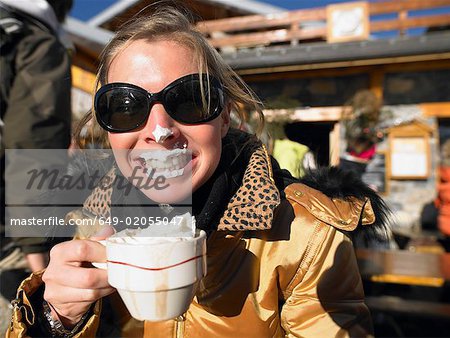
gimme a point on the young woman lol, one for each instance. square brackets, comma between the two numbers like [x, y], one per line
[280, 258]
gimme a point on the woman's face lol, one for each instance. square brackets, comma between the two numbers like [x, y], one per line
[152, 66]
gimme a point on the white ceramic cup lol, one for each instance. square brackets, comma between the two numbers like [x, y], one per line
[157, 277]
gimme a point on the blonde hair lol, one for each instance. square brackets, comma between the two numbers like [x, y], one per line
[173, 24]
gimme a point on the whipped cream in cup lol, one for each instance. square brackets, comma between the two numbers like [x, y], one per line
[157, 270]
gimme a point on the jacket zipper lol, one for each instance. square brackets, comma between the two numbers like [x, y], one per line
[179, 326]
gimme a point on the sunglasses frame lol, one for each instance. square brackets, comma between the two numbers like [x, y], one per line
[159, 97]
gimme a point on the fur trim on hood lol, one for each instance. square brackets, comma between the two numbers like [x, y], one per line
[337, 183]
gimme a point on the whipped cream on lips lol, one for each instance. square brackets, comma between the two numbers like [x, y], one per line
[164, 162]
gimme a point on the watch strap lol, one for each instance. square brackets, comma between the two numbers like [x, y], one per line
[56, 327]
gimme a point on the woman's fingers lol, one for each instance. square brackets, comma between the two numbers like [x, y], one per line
[59, 294]
[78, 251]
[65, 268]
[70, 287]
[76, 277]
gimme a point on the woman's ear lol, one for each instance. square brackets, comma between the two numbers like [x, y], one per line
[225, 120]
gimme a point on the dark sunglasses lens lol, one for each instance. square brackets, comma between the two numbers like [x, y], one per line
[191, 102]
[122, 109]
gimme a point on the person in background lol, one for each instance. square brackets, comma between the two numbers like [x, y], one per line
[35, 93]
[360, 119]
[295, 157]
[443, 199]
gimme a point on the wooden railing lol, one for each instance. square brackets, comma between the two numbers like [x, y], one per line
[311, 24]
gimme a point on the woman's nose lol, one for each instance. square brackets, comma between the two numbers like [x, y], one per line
[160, 127]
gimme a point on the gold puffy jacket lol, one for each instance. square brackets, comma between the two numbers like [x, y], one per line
[291, 272]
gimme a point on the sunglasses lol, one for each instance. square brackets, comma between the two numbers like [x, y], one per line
[191, 99]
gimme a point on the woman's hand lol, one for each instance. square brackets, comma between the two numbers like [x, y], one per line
[71, 283]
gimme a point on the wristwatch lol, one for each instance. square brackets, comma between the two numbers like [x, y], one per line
[57, 328]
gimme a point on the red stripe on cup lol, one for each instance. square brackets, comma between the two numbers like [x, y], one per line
[156, 269]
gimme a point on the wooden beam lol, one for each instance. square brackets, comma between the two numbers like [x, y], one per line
[314, 14]
[285, 27]
[316, 114]
[403, 266]
[408, 280]
[341, 64]
[85, 59]
[411, 22]
[309, 73]
[262, 21]
[384, 7]
[284, 35]
[335, 144]
[412, 308]
[402, 17]
[417, 66]
[376, 83]
[263, 38]
[83, 79]
[333, 114]
[436, 109]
